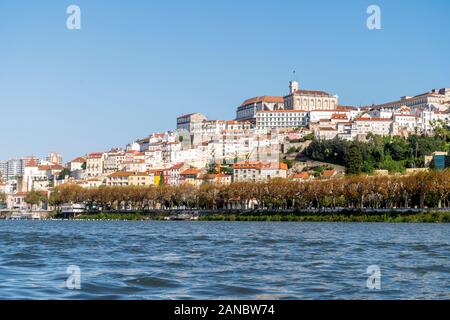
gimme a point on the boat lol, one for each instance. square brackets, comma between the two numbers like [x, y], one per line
[22, 215]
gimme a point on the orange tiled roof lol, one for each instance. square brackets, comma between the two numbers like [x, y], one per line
[177, 166]
[270, 99]
[339, 116]
[259, 165]
[32, 163]
[191, 171]
[328, 173]
[79, 160]
[301, 175]
[95, 155]
[50, 167]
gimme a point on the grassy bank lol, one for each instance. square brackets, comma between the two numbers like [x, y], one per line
[345, 216]
[392, 217]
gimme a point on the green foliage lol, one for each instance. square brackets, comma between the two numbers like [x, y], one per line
[354, 162]
[288, 162]
[390, 153]
[162, 181]
[293, 150]
[391, 165]
[2, 198]
[308, 137]
[319, 169]
[343, 216]
[212, 168]
[224, 169]
[35, 198]
[64, 173]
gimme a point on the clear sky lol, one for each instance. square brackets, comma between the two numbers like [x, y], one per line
[136, 65]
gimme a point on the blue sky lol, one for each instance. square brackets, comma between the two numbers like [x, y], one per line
[135, 65]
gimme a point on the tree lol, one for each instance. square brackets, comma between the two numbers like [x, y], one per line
[162, 181]
[34, 198]
[355, 163]
[2, 198]
[212, 168]
[64, 173]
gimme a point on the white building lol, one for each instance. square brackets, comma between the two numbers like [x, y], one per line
[95, 164]
[405, 122]
[3, 170]
[113, 161]
[282, 119]
[189, 121]
[258, 171]
[248, 109]
[436, 97]
[378, 126]
[15, 168]
[309, 100]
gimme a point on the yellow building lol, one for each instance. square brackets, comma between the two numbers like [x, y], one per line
[126, 178]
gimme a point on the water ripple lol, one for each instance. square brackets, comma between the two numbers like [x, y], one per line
[223, 260]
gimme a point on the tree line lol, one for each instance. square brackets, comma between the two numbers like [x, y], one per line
[388, 153]
[426, 189]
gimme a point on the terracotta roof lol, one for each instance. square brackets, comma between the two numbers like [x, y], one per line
[50, 167]
[95, 155]
[270, 99]
[79, 160]
[339, 116]
[177, 166]
[328, 173]
[301, 175]
[259, 165]
[32, 163]
[191, 171]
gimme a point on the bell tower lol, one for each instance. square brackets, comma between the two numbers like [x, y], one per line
[293, 84]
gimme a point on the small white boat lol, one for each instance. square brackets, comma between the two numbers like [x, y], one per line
[22, 215]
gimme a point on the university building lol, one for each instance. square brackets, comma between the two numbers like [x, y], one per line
[309, 100]
[281, 119]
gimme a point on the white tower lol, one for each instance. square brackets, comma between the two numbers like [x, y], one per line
[293, 86]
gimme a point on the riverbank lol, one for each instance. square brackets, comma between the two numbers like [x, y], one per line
[344, 216]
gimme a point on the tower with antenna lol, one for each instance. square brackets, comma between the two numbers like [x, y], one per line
[293, 84]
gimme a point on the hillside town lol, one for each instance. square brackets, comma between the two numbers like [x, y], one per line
[251, 147]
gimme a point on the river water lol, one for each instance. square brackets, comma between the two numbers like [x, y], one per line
[222, 260]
